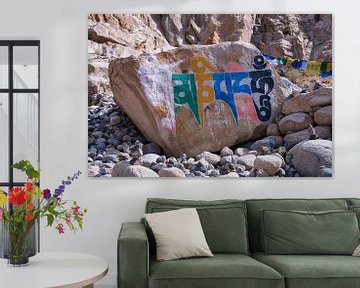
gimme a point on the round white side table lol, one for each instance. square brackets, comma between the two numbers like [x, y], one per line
[50, 270]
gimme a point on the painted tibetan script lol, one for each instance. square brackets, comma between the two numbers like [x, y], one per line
[246, 92]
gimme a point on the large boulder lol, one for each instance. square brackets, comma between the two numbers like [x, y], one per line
[295, 122]
[310, 157]
[305, 102]
[200, 97]
[291, 139]
[323, 116]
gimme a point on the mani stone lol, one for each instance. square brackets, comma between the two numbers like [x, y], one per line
[171, 99]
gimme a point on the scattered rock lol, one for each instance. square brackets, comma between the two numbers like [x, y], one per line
[271, 164]
[323, 116]
[119, 169]
[171, 172]
[247, 160]
[323, 132]
[226, 151]
[212, 158]
[241, 151]
[273, 130]
[151, 148]
[294, 122]
[231, 174]
[309, 157]
[139, 171]
[149, 159]
[305, 102]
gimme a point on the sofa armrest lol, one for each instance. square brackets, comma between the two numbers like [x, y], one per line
[133, 256]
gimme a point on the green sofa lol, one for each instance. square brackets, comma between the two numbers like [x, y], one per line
[234, 232]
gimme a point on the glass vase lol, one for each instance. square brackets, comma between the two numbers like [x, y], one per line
[18, 242]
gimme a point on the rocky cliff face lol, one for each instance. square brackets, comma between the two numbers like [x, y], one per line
[118, 148]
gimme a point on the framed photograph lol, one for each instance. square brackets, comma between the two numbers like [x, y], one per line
[210, 95]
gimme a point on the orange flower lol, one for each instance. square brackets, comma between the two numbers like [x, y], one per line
[29, 217]
[29, 187]
[29, 206]
[27, 196]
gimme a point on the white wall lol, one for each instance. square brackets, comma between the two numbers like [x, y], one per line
[61, 25]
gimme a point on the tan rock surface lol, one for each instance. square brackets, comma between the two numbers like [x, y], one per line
[323, 116]
[305, 102]
[295, 122]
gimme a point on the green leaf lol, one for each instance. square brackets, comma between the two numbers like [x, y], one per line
[50, 219]
[26, 167]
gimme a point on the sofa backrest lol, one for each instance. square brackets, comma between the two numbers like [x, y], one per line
[255, 206]
[223, 221]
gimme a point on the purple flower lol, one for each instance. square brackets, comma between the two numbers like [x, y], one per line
[46, 194]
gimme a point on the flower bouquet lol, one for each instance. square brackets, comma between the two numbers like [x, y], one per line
[21, 208]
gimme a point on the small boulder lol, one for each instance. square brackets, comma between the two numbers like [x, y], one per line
[271, 164]
[309, 157]
[270, 142]
[226, 151]
[148, 159]
[212, 158]
[241, 151]
[323, 132]
[323, 116]
[247, 160]
[139, 171]
[273, 130]
[119, 169]
[295, 122]
[171, 172]
[305, 102]
[151, 148]
[231, 174]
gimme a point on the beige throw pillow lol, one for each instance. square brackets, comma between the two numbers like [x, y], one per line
[357, 251]
[178, 234]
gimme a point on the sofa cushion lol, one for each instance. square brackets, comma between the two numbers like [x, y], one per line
[223, 221]
[297, 232]
[356, 209]
[255, 206]
[353, 201]
[313, 271]
[178, 234]
[222, 270]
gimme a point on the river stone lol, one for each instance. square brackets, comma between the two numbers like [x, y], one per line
[171, 172]
[305, 102]
[309, 157]
[212, 158]
[231, 174]
[241, 151]
[323, 132]
[323, 116]
[142, 86]
[271, 164]
[273, 130]
[119, 169]
[139, 171]
[295, 122]
[150, 148]
[247, 161]
[149, 159]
